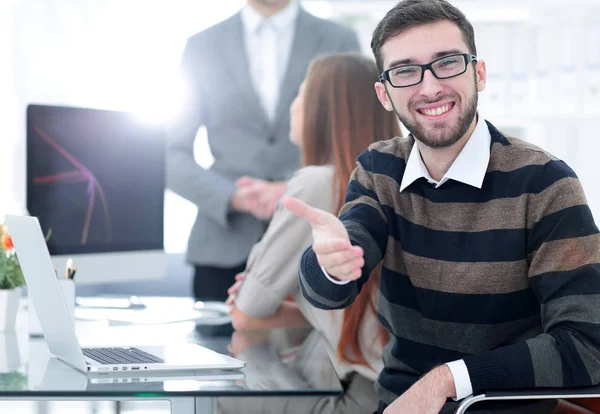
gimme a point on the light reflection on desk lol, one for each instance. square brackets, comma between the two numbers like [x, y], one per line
[295, 364]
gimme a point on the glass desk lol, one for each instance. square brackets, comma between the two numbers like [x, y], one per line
[279, 363]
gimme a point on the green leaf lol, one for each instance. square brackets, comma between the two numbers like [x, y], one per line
[13, 381]
[11, 275]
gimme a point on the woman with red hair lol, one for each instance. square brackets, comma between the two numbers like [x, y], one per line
[335, 117]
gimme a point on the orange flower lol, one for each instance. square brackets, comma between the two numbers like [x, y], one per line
[7, 243]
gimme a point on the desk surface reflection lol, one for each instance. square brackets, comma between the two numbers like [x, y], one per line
[292, 362]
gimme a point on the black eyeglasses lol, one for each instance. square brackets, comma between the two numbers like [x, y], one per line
[445, 67]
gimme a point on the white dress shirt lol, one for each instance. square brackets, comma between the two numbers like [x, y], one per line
[469, 167]
[268, 46]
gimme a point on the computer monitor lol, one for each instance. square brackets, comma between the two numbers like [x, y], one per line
[95, 181]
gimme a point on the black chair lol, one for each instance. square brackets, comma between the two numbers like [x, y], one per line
[572, 395]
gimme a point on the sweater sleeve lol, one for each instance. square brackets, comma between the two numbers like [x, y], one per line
[366, 223]
[563, 247]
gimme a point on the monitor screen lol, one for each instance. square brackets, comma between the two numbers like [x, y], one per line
[95, 179]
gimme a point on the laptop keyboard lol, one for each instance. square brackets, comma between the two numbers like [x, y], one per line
[109, 356]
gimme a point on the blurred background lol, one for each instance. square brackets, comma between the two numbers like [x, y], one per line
[542, 56]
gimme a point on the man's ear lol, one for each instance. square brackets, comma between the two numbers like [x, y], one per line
[481, 73]
[383, 96]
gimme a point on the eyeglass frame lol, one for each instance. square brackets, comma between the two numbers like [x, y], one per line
[385, 75]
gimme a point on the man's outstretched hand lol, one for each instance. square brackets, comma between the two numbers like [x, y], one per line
[331, 243]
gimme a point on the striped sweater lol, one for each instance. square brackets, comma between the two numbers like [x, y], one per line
[506, 277]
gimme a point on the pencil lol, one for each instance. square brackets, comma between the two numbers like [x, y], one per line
[69, 268]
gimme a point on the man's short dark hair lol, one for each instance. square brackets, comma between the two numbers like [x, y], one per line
[411, 13]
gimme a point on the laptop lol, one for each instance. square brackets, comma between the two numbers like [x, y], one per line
[59, 377]
[58, 326]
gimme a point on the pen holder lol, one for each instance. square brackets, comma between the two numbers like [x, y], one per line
[67, 287]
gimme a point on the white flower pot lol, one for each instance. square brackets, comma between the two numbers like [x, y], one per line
[10, 359]
[9, 305]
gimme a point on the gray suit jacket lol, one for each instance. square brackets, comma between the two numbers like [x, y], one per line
[221, 96]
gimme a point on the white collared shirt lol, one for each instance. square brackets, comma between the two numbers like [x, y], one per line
[469, 167]
[284, 24]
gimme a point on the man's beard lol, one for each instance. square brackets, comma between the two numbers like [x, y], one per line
[452, 136]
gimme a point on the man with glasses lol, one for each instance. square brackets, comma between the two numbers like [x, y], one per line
[491, 274]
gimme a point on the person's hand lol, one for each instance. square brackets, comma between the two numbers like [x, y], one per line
[426, 396]
[242, 201]
[233, 290]
[331, 242]
[261, 196]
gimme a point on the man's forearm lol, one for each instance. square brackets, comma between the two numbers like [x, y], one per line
[320, 291]
[428, 395]
[442, 381]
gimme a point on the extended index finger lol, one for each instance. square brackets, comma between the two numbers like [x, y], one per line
[301, 209]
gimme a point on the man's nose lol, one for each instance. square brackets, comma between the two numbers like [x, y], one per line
[431, 86]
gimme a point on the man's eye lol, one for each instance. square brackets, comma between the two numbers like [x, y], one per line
[448, 62]
[404, 71]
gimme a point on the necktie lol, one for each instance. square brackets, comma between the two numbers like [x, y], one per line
[269, 71]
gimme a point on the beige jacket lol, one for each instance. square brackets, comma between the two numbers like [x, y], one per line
[272, 271]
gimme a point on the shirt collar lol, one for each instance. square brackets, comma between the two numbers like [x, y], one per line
[281, 20]
[469, 167]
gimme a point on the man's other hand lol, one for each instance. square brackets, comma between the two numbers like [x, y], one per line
[426, 396]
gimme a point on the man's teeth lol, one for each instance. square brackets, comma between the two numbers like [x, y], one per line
[436, 111]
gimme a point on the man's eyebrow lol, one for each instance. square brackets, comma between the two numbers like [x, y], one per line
[399, 62]
[446, 53]
[410, 61]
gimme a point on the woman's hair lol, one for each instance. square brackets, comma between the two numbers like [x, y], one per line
[342, 117]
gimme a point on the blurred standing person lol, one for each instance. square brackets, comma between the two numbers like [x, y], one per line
[241, 77]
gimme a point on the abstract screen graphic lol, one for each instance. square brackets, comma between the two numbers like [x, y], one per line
[79, 174]
[96, 179]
